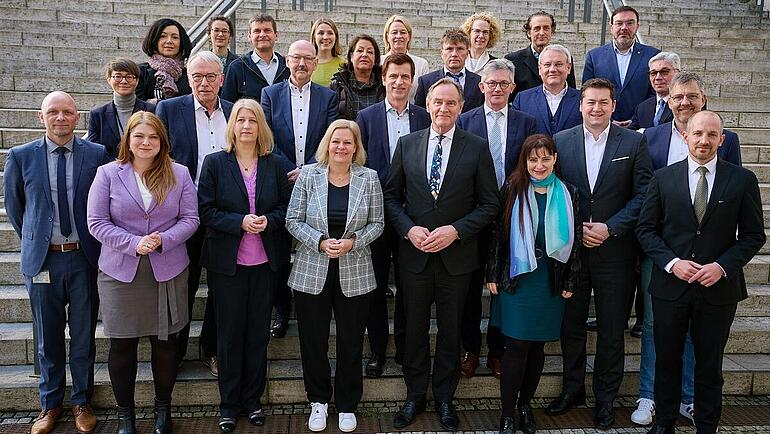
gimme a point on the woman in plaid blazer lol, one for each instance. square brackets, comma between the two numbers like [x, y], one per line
[335, 212]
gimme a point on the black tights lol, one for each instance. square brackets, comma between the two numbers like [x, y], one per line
[522, 366]
[122, 363]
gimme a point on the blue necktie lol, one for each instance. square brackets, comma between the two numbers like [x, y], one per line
[455, 77]
[435, 168]
[61, 192]
[496, 147]
[659, 113]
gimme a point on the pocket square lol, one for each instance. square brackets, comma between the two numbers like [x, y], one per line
[620, 158]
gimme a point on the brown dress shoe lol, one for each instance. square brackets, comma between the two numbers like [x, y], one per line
[496, 366]
[469, 363]
[46, 421]
[85, 419]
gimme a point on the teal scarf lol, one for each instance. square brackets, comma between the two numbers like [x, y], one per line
[559, 226]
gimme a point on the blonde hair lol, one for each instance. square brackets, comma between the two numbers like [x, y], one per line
[359, 155]
[159, 177]
[494, 26]
[337, 49]
[264, 134]
[388, 23]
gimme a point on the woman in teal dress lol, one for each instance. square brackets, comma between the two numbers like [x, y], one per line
[533, 267]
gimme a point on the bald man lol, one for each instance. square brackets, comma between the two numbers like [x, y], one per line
[46, 188]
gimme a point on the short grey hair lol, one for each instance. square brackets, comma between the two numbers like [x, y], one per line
[498, 65]
[556, 47]
[445, 80]
[685, 77]
[666, 56]
[205, 56]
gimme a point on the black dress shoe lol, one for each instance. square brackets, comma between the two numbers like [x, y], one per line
[447, 416]
[374, 366]
[399, 358]
[279, 325]
[604, 416]
[657, 429]
[565, 402]
[527, 419]
[257, 417]
[407, 413]
[227, 424]
[636, 331]
[591, 325]
[507, 426]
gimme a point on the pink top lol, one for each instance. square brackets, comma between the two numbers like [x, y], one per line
[251, 250]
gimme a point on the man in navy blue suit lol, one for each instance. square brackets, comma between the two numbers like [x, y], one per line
[299, 112]
[624, 62]
[655, 110]
[46, 189]
[454, 51]
[196, 127]
[505, 129]
[381, 125]
[554, 104]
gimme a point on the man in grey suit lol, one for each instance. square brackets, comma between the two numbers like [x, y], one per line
[441, 192]
[611, 169]
[46, 189]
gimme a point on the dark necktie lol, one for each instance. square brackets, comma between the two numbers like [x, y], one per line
[455, 77]
[435, 168]
[61, 192]
[659, 113]
[701, 194]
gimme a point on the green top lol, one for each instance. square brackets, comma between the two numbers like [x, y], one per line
[323, 73]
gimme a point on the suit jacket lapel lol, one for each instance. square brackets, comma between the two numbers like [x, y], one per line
[261, 174]
[127, 177]
[382, 116]
[682, 188]
[580, 155]
[111, 119]
[235, 171]
[421, 148]
[613, 142]
[665, 145]
[188, 114]
[509, 140]
[531, 62]
[321, 183]
[42, 163]
[721, 179]
[569, 104]
[541, 106]
[471, 88]
[78, 151]
[636, 57]
[455, 155]
[614, 67]
[315, 112]
[286, 95]
[357, 190]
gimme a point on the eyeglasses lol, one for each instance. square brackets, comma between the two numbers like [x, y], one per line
[130, 78]
[297, 58]
[483, 32]
[557, 65]
[664, 71]
[198, 78]
[628, 23]
[222, 31]
[692, 97]
[502, 84]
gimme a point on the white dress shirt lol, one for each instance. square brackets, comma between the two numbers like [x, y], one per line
[503, 126]
[268, 70]
[554, 100]
[594, 149]
[624, 59]
[446, 146]
[677, 148]
[300, 110]
[210, 128]
[398, 125]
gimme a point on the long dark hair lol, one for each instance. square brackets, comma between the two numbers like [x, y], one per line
[150, 43]
[518, 181]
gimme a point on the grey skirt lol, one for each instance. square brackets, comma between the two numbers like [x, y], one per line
[144, 307]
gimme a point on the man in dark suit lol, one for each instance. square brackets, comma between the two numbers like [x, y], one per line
[611, 169]
[539, 28]
[624, 62]
[505, 129]
[454, 51]
[298, 112]
[655, 110]
[666, 141]
[381, 125]
[440, 194]
[259, 68]
[554, 104]
[699, 293]
[46, 189]
[196, 127]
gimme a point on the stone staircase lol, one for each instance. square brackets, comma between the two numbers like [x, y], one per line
[64, 45]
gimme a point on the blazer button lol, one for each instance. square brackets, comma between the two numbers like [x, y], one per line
[146, 216]
[693, 255]
[50, 219]
[592, 201]
[697, 233]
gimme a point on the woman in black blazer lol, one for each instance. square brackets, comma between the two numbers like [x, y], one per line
[242, 197]
[106, 123]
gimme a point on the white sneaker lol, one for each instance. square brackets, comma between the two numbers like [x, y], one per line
[688, 411]
[317, 420]
[644, 412]
[347, 422]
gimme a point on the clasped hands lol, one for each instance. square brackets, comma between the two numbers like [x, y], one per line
[335, 248]
[691, 271]
[594, 234]
[431, 242]
[149, 243]
[493, 289]
[254, 224]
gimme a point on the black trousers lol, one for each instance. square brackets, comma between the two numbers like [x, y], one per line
[208, 337]
[385, 252]
[282, 300]
[709, 326]
[611, 279]
[421, 290]
[243, 303]
[314, 314]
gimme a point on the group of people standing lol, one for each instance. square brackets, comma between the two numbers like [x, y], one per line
[486, 171]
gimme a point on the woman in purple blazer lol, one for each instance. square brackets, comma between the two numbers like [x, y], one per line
[142, 208]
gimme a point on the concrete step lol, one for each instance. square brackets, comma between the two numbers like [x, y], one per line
[743, 375]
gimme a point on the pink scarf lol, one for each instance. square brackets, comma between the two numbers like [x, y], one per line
[167, 72]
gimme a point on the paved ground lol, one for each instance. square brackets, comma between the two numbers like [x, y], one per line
[740, 415]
